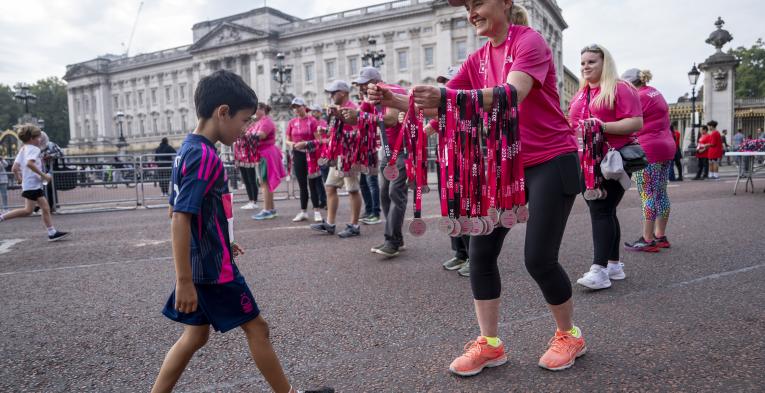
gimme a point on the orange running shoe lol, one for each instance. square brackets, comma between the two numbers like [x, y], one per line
[478, 355]
[563, 351]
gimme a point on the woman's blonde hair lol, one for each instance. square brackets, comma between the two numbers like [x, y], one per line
[518, 15]
[608, 78]
[645, 76]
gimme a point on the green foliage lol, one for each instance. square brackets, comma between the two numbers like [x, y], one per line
[750, 74]
[51, 106]
[10, 110]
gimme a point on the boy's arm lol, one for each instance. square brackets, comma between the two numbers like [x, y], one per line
[33, 167]
[185, 292]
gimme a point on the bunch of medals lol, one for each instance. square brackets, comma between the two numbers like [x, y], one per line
[351, 151]
[593, 142]
[247, 144]
[312, 158]
[479, 153]
[413, 139]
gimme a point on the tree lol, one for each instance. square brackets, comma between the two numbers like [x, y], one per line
[10, 109]
[750, 73]
[52, 107]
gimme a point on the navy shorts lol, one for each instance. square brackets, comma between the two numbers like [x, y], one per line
[224, 306]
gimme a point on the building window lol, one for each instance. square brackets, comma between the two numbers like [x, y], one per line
[143, 127]
[154, 126]
[330, 66]
[460, 50]
[458, 23]
[428, 29]
[87, 105]
[182, 91]
[353, 66]
[403, 60]
[308, 72]
[77, 105]
[260, 70]
[154, 96]
[169, 123]
[129, 127]
[116, 101]
[429, 56]
[168, 94]
[140, 98]
[127, 100]
[183, 122]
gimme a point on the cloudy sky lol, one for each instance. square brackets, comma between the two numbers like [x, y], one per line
[38, 38]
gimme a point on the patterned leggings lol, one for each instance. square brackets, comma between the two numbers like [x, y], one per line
[652, 186]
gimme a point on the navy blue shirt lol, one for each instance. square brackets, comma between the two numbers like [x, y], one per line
[199, 184]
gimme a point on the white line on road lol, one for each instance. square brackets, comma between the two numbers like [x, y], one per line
[85, 266]
[5, 245]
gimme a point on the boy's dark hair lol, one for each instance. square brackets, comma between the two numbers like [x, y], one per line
[223, 88]
[712, 123]
[29, 131]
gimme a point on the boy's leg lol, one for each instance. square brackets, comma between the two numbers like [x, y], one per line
[263, 353]
[42, 202]
[192, 339]
[29, 206]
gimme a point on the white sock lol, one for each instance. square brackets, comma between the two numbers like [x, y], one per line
[2, 217]
[614, 263]
[51, 231]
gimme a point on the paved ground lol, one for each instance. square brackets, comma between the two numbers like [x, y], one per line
[83, 315]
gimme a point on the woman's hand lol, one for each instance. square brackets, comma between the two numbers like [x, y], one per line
[427, 97]
[379, 95]
[350, 116]
[236, 249]
[300, 146]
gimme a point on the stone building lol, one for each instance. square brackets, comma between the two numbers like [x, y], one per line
[421, 38]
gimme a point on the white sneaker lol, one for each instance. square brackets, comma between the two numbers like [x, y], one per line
[302, 216]
[616, 271]
[317, 217]
[250, 206]
[596, 278]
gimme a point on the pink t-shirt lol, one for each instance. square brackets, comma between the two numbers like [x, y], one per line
[655, 137]
[626, 105]
[349, 104]
[302, 129]
[545, 133]
[390, 132]
[266, 126]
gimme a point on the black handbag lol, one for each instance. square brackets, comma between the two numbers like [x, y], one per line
[633, 157]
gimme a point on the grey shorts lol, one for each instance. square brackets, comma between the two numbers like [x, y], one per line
[350, 182]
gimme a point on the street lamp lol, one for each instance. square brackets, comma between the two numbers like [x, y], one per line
[23, 95]
[693, 77]
[120, 116]
[281, 74]
[373, 57]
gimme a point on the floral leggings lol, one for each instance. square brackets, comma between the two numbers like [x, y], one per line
[652, 186]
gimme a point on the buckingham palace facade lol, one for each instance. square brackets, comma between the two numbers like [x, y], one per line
[155, 90]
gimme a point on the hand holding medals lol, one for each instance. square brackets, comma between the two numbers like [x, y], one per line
[593, 141]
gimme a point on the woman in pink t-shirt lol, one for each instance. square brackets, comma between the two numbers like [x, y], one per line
[657, 140]
[270, 168]
[246, 158]
[301, 131]
[520, 56]
[615, 103]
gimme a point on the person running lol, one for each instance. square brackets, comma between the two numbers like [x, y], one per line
[209, 288]
[316, 112]
[678, 158]
[270, 170]
[615, 104]
[715, 150]
[3, 185]
[300, 131]
[164, 155]
[520, 56]
[659, 145]
[394, 193]
[702, 154]
[339, 93]
[33, 179]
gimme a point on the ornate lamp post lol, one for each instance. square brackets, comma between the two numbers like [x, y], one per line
[121, 143]
[23, 95]
[693, 77]
[373, 57]
[281, 74]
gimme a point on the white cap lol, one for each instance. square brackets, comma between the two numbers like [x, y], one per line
[338, 85]
[632, 75]
[450, 73]
[368, 74]
[298, 101]
[315, 108]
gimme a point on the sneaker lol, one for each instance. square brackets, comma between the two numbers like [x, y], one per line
[563, 351]
[250, 206]
[641, 245]
[596, 278]
[264, 215]
[302, 216]
[319, 390]
[373, 250]
[324, 227]
[350, 231]
[387, 250]
[371, 220]
[365, 216]
[662, 242]
[478, 355]
[465, 269]
[616, 271]
[57, 236]
[453, 264]
[317, 217]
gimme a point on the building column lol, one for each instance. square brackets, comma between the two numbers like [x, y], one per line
[444, 45]
[390, 57]
[416, 55]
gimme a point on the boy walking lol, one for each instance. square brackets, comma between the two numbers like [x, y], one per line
[32, 181]
[209, 289]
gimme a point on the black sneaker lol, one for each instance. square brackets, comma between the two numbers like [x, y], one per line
[324, 228]
[57, 236]
[387, 250]
[349, 231]
[319, 390]
[642, 245]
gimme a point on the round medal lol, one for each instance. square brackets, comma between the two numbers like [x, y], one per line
[523, 213]
[493, 216]
[476, 226]
[507, 218]
[417, 227]
[446, 225]
[457, 231]
[390, 173]
[590, 194]
[465, 225]
[425, 189]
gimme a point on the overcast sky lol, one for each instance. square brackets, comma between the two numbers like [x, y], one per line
[38, 38]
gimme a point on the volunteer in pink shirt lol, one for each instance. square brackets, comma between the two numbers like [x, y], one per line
[270, 168]
[520, 56]
[615, 103]
[300, 131]
[657, 140]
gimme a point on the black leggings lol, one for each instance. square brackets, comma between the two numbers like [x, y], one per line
[300, 164]
[606, 233]
[551, 188]
[250, 179]
[703, 168]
